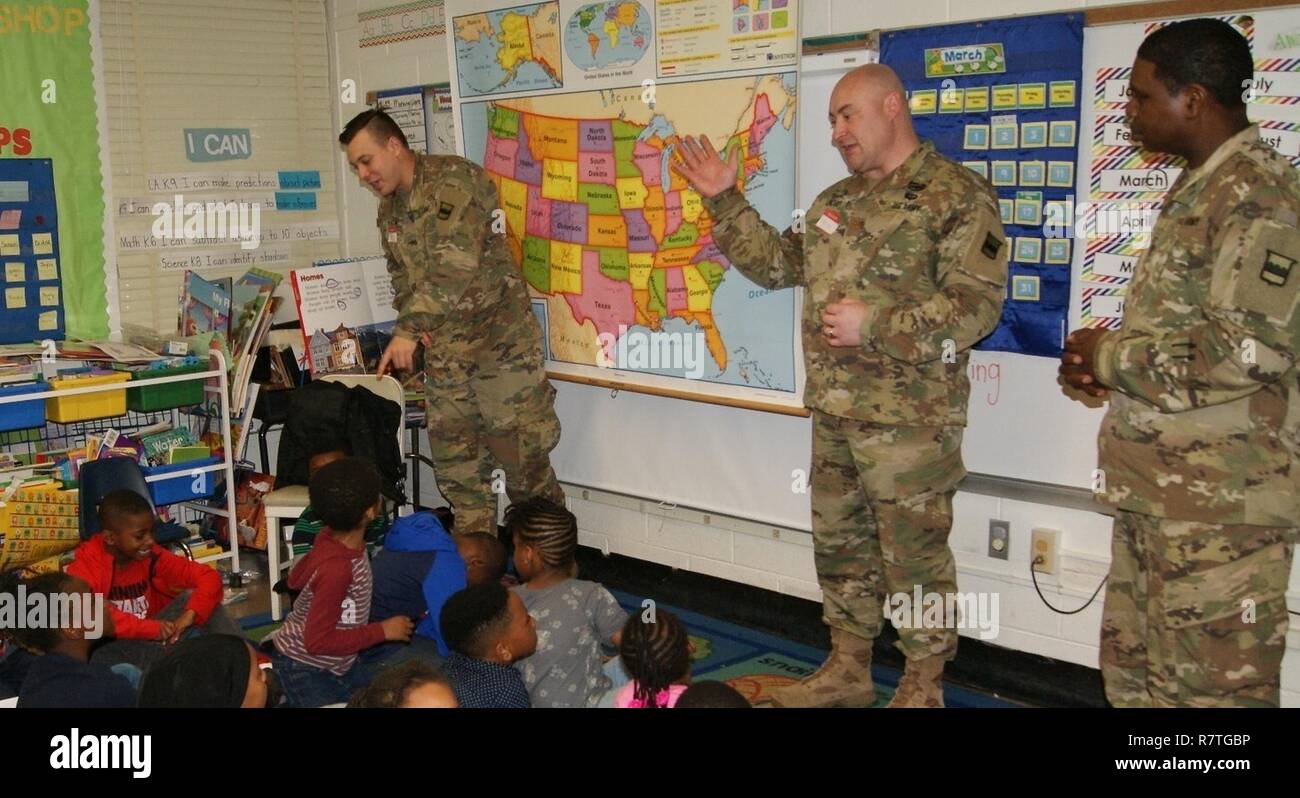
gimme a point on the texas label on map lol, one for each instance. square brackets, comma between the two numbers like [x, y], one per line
[618, 246]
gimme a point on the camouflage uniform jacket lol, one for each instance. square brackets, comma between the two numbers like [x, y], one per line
[923, 248]
[452, 276]
[1204, 418]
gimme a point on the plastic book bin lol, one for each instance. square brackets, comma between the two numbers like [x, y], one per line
[88, 406]
[22, 415]
[150, 398]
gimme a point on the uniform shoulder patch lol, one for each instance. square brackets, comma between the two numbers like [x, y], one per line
[1267, 281]
[449, 202]
[984, 253]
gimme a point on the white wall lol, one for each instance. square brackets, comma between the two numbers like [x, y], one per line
[827, 17]
[416, 62]
[778, 556]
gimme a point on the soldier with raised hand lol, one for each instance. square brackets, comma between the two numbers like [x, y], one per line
[1200, 448]
[489, 404]
[904, 264]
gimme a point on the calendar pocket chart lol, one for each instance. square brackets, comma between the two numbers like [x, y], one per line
[31, 299]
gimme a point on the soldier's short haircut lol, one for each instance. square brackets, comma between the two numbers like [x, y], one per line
[380, 125]
[1207, 52]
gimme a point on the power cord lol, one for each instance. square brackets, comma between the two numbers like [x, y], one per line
[1034, 576]
[1039, 560]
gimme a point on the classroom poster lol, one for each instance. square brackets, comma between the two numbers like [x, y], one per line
[48, 111]
[1003, 98]
[1126, 185]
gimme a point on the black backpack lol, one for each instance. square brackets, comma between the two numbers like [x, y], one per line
[325, 416]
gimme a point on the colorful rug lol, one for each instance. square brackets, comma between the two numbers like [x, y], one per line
[754, 662]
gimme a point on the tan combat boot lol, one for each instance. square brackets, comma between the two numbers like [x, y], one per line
[844, 679]
[921, 685]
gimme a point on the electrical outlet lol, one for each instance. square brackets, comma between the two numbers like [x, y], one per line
[1045, 544]
[999, 538]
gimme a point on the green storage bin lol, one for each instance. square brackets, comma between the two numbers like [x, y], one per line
[164, 397]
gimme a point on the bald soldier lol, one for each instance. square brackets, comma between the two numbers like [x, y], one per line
[1200, 447]
[488, 402]
[905, 264]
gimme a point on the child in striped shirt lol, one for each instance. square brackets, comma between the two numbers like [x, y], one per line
[309, 524]
[316, 649]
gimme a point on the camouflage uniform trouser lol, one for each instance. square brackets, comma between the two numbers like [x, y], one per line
[500, 415]
[882, 512]
[1195, 613]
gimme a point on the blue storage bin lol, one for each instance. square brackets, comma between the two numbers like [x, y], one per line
[184, 485]
[22, 415]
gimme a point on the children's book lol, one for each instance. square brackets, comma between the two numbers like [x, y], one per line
[347, 314]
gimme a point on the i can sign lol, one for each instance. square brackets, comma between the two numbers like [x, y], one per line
[218, 144]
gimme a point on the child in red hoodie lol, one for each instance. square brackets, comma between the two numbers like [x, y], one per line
[316, 649]
[154, 596]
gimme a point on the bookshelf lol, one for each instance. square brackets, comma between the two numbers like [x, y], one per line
[216, 387]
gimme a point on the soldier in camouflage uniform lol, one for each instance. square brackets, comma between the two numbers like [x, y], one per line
[904, 264]
[1200, 448]
[489, 404]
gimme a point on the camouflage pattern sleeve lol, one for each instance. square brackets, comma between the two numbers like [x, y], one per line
[772, 260]
[970, 274]
[454, 230]
[1243, 337]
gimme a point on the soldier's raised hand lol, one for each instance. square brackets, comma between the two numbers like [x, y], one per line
[697, 161]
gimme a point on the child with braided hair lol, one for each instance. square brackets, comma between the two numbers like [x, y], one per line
[657, 655]
[575, 618]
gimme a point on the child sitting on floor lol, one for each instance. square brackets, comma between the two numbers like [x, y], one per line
[419, 567]
[309, 524]
[153, 595]
[315, 651]
[411, 685]
[60, 673]
[575, 618]
[484, 557]
[212, 671]
[657, 655]
[488, 629]
[711, 695]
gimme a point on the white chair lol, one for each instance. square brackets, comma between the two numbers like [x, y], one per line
[286, 504]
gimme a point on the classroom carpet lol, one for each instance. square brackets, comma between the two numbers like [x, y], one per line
[753, 662]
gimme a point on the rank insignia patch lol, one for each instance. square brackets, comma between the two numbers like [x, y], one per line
[1277, 269]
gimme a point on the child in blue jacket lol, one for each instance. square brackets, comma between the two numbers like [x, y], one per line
[418, 569]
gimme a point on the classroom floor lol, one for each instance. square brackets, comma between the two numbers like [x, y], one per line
[752, 661]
